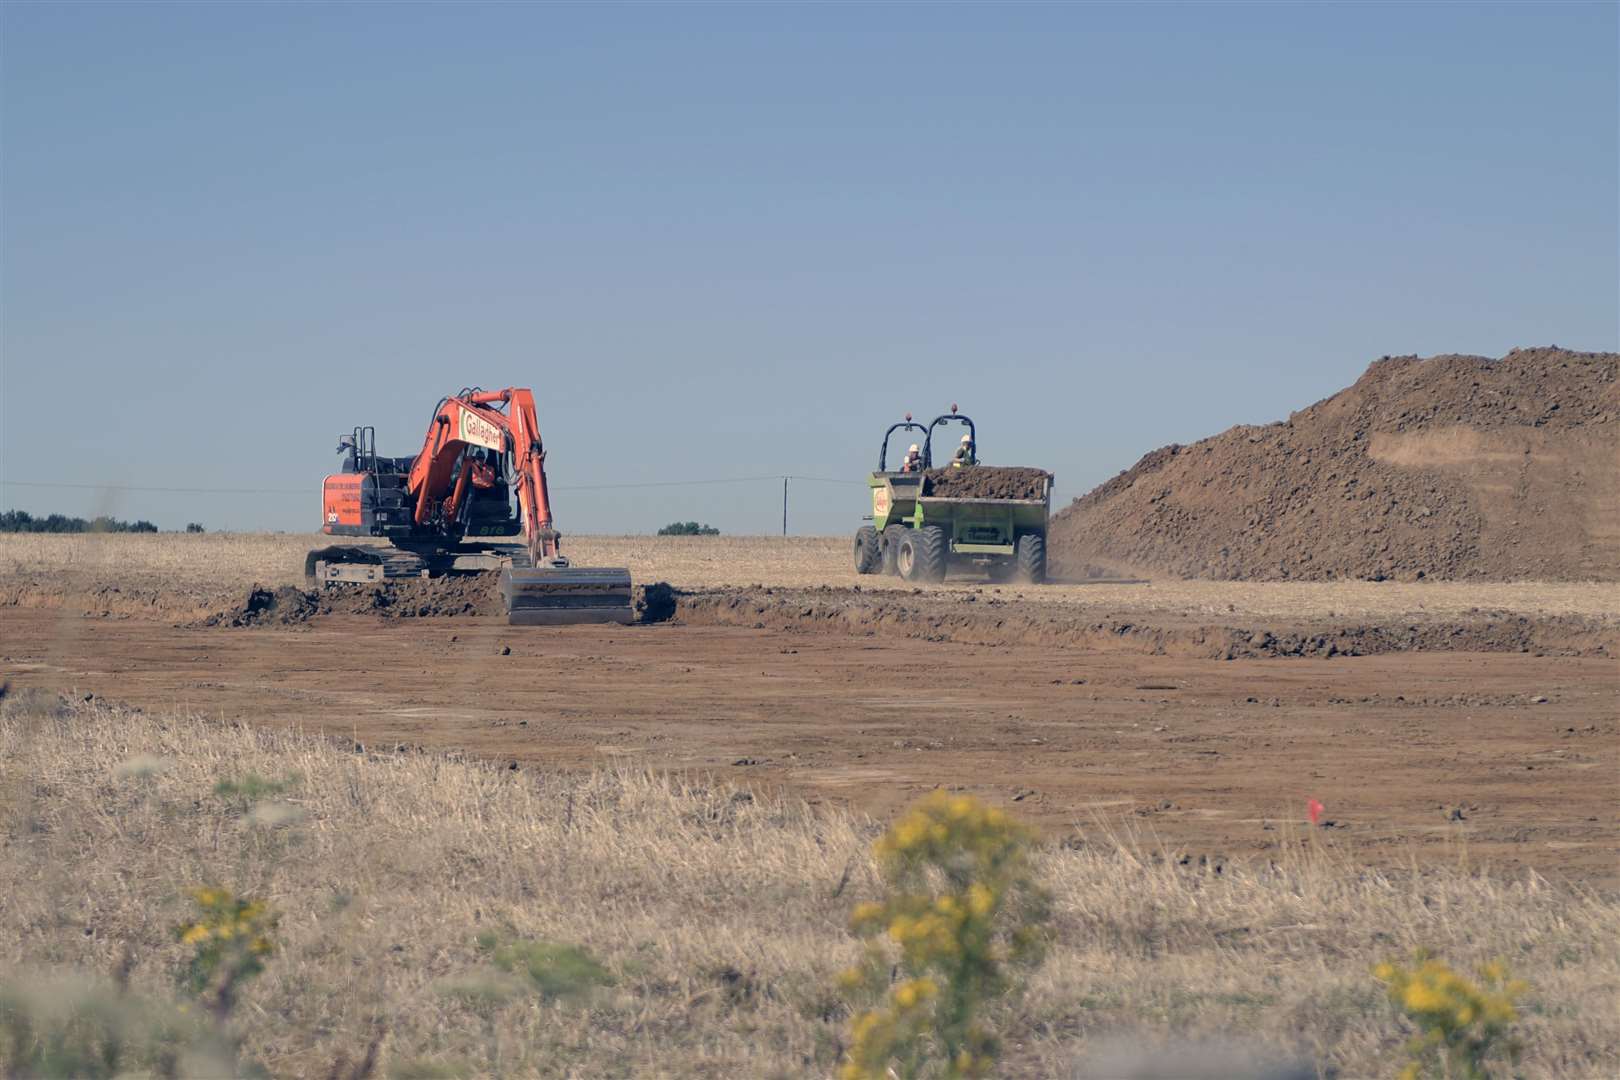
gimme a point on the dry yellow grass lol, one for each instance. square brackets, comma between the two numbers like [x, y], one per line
[720, 915]
[229, 562]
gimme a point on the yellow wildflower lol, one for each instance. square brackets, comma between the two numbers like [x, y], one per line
[932, 936]
[980, 899]
[1420, 997]
[865, 912]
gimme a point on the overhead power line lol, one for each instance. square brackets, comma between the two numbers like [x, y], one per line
[139, 487]
[310, 492]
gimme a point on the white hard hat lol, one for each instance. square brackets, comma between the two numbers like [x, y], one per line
[914, 449]
[967, 438]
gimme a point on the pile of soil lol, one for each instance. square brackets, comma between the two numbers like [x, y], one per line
[986, 482]
[451, 596]
[1449, 467]
[404, 598]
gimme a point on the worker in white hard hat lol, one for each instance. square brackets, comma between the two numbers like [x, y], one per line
[964, 454]
[913, 462]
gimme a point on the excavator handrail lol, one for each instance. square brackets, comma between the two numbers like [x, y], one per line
[883, 452]
[945, 418]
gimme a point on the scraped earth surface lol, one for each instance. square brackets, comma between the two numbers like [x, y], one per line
[1195, 721]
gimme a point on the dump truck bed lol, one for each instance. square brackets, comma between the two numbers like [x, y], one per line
[946, 500]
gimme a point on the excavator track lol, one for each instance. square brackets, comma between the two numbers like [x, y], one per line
[361, 565]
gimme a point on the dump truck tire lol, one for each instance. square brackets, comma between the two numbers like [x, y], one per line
[890, 544]
[923, 553]
[868, 556]
[1031, 558]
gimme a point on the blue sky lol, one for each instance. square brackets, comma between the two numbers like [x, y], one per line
[734, 240]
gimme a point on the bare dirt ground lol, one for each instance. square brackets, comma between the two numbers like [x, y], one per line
[169, 574]
[1479, 725]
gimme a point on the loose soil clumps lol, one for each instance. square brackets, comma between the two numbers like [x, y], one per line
[986, 482]
[1450, 467]
[451, 596]
[969, 618]
[403, 598]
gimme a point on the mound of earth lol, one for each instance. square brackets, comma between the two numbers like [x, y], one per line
[406, 598]
[986, 482]
[1448, 467]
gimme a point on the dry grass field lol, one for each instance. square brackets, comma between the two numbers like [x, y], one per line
[718, 919]
[226, 563]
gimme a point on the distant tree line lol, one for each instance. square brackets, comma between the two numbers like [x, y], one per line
[688, 528]
[21, 521]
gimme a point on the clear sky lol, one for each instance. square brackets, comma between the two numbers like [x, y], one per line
[733, 240]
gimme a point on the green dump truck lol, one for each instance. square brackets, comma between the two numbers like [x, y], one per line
[927, 521]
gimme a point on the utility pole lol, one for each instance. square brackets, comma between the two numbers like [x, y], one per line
[784, 505]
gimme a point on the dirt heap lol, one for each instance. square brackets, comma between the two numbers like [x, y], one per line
[1448, 467]
[985, 482]
[406, 598]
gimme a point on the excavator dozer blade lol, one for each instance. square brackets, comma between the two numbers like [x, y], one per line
[554, 596]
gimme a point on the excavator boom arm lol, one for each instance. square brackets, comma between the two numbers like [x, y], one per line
[473, 419]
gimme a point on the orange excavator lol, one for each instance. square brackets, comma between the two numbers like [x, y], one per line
[449, 510]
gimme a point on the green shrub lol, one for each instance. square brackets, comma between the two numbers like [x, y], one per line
[251, 787]
[1462, 1026]
[553, 970]
[963, 908]
[230, 938]
[23, 521]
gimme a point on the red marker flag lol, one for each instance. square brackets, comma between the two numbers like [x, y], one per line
[1313, 810]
